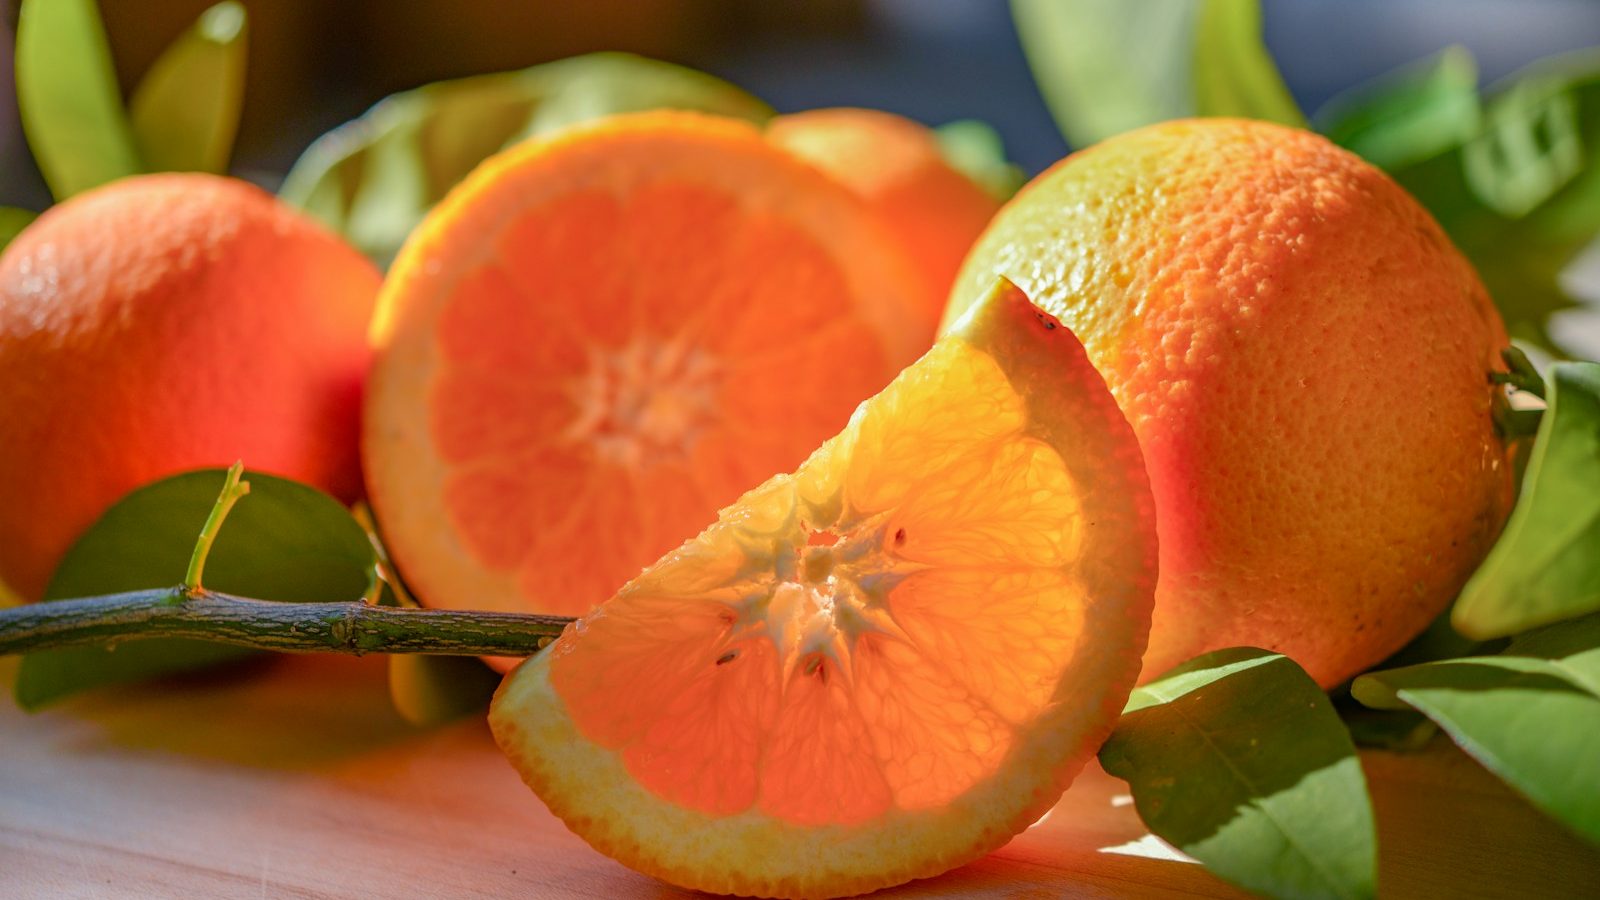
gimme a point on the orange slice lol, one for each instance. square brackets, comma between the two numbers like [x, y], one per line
[881, 666]
[599, 339]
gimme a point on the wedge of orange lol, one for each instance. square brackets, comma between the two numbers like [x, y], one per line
[599, 339]
[881, 666]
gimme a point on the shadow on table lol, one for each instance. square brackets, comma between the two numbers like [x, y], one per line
[273, 712]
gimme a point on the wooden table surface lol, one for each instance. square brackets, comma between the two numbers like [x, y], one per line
[293, 778]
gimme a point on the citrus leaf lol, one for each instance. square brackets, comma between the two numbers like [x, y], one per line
[67, 95]
[284, 541]
[426, 690]
[1530, 715]
[1233, 73]
[1107, 66]
[12, 221]
[1238, 759]
[186, 109]
[1521, 197]
[374, 178]
[974, 148]
[1409, 115]
[1546, 565]
[433, 690]
[1572, 646]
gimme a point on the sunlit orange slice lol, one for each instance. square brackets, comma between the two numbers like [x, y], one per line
[599, 339]
[881, 666]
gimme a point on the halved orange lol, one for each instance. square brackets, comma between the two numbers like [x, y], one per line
[881, 666]
[600, 338]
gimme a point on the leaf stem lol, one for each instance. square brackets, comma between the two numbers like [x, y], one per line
[352, 627]
[232, 490]
[1519, 373]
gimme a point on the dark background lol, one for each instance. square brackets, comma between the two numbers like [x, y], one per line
[317, 63]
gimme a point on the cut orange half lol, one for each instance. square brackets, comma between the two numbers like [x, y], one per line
[881, 666]
[599, 339]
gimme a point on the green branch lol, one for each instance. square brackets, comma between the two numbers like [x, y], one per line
[352, 627]
[232, 490]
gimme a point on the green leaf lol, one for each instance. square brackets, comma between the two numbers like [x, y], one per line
[1233, 73]
[373, 179]
[1521, 197]
[12, 221]
[1530, 715]
[67, 95]
[1107, 66]
[433, 690]
[186, 110]
[1572, 646]
[975, 150]
[284, 541]
[1546, 565]
[1409, 115]
[1238, 759]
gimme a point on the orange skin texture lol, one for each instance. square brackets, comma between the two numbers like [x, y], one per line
[164, 323]
[1305, 359]
[931, 209]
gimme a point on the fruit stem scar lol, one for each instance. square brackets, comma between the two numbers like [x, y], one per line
[232, 490]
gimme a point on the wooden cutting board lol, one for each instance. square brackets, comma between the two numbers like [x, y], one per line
[293, 778]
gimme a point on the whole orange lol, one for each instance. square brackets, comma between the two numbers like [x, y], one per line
[162, 323]
[1305, 359]
[931, 210]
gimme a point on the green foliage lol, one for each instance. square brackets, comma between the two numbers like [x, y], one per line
[1106, 66]
[1238, 759]
[1514, 179]
[186, 110]
[285, 541]
[433, 690]
[67, 94]
[1409, 115]
[12, 221]
[1232, 72]
[1530, 714]
[1546, 565]
[373, 179]
[975, 149]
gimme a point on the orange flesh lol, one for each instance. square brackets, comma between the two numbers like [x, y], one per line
[628, 327]
[875, 655]
[879, 667]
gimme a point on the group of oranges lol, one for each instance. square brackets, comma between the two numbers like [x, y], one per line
[1276, 431]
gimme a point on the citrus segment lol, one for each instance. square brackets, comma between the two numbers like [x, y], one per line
[601, 337]
[881, 666]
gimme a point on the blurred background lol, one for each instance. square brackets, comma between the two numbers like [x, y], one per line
[315, 64]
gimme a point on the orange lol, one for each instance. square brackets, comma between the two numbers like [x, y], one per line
[1305, 358]
[877, 668]
[600, 338]
[932, 210]
[164, 323]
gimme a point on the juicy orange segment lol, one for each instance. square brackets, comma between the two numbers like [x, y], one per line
[601, 338]
[881, 666]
